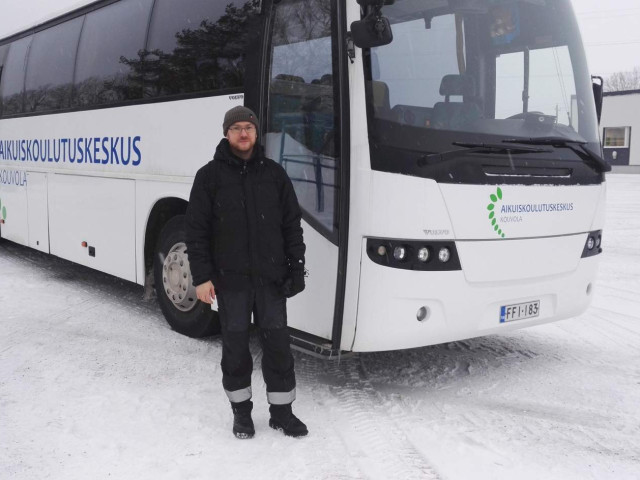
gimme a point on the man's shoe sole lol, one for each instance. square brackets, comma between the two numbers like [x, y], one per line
[243, 435]
[277, 426]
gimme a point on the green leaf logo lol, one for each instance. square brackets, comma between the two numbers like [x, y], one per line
[494, 197]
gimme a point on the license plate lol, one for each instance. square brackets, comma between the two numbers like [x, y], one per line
[519, 311]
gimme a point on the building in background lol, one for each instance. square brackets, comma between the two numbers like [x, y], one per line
[620, 119]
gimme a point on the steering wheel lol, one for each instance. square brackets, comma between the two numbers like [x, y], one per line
[523, 115]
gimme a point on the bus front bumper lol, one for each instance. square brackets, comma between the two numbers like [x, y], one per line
[400, 309]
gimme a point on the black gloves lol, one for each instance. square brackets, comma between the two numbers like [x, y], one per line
[293, 284]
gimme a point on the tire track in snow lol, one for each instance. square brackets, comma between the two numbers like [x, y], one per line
[323, 451]
[485, 422]
[371, 434]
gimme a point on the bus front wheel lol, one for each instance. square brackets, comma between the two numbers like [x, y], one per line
[176, 293]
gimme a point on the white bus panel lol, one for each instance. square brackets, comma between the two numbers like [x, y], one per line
[98, 211]
[456, 309]
[38, 211]
[13, 205]
[313, 311]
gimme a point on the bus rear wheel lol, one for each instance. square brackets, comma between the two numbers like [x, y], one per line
[173, 283]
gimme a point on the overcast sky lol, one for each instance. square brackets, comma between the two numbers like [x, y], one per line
[609, 28]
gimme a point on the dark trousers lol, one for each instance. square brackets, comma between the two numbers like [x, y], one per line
[269, 309]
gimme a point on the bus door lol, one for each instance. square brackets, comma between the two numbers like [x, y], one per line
[302, 131]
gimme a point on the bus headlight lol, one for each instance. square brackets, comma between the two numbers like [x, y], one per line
[399, 253]
[444, 255]
[419, 255]
[593, 244]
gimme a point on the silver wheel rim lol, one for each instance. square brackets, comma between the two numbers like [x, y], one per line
[176, 279]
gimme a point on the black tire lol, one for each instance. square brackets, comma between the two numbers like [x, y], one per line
[191, 317]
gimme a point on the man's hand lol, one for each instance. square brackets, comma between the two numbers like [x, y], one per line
[293, 284]
[206, 293]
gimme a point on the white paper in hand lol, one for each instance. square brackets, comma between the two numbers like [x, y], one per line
[214, 304]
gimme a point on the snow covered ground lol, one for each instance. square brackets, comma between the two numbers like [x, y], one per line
[93, 385]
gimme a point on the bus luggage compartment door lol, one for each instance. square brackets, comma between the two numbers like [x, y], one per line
[98, 211]
[13, 206]
[38, 211]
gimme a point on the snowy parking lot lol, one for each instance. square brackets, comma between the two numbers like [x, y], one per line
[94, 384]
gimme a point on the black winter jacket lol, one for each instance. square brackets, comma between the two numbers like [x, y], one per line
[243, 222]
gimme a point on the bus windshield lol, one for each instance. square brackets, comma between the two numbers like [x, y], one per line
[477, 71]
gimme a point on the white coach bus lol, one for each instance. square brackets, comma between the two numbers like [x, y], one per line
[445, 154]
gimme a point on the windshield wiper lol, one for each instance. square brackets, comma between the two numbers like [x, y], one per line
[470, 147]
[577, 146]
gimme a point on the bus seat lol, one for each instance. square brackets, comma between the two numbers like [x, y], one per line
[289, 78]
[326, 79]
[454, 115]
[381, 105]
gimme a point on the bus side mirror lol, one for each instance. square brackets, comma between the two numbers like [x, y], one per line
[374, 30]
[598, 88]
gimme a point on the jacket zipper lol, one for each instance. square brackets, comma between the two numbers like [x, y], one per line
[249, 203]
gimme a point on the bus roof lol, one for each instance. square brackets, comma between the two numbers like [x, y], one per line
[17, 26]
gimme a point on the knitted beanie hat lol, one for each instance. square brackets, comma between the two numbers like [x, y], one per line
[238, 114]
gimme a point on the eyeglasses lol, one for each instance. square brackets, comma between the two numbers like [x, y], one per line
[236, 129]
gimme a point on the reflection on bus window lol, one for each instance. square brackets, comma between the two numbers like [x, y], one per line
[302, 127]
[50, 67]
[484, 72]
[417, 82]
[195, 47]
[13, 82]
[3, 54]
[551, 84]
[110, 36]
[198, 47]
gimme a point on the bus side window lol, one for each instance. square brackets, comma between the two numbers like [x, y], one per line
[196, 46]
[12, 92]
[3, 54]
[50, 67]
[302, 133]
[109, 63]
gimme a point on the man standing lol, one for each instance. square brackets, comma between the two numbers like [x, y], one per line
[245, 246]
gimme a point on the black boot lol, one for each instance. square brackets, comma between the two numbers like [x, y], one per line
[283, 419]
[242, 423]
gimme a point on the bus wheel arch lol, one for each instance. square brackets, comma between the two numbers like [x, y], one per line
[163, 211]
[173, 285]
